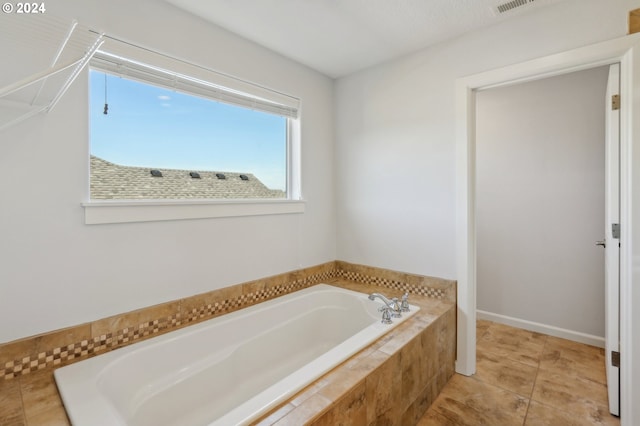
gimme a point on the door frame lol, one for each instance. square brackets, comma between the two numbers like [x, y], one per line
[626, 51]
[611, 245]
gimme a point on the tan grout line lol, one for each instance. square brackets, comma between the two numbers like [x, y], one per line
[24, 412]
[530, 397]
[535, 381]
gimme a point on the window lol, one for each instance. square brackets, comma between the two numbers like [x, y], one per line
[193, 136]
[144, 119]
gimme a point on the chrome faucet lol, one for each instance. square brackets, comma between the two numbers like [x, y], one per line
[393, 305]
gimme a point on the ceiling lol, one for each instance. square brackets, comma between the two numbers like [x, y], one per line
[339, 37]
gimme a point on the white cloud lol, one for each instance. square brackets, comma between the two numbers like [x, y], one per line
[164, 97]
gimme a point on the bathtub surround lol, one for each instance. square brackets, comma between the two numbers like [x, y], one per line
[258, 358]
[393, 381]
[62, 347]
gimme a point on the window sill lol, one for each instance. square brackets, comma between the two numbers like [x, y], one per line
[102, 212]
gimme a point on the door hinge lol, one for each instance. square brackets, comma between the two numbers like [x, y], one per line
[615, 230]
[615, 102]
[615, 359]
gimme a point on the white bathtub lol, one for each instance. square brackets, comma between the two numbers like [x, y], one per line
[226, 371]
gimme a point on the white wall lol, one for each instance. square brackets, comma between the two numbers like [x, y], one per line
[540, 201]
[55, 271]
[395, 131]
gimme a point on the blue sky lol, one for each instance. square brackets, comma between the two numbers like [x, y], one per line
[149, 126]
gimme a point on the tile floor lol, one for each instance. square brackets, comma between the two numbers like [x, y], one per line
[525, 378]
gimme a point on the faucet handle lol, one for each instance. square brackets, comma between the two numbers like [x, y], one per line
[386, 314]
[404, 306]
[396, 308]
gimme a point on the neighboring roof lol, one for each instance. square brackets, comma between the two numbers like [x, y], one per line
[111, 181]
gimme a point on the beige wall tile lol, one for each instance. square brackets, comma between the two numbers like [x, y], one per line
[411, 365]
[416, 411]
[16, 350]
[349, 410]
[383, 389]
[11, 412]
[196, 303]
[309, 391]
[134, 318]
[275, 415]
[54, 417]
[40, 398]
[311, 408]
[344, 380]
[63, 337]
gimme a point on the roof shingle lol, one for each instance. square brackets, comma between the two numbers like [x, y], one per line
[111, 181]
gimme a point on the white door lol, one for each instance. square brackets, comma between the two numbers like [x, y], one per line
[612, 241]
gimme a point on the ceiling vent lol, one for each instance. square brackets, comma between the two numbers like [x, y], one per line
[513, 5]
[510, 5]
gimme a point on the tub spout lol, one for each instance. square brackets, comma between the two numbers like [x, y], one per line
[392, 304]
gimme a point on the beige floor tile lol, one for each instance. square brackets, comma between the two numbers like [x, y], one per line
[544, 415]
[569, 386]
[513, 343]
[511, 375]
[567, 357]
[577, 395]
[481, 327]
[433, 418]
[467, 401]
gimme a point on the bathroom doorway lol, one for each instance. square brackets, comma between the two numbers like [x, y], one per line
[623, 50]
[540, 207]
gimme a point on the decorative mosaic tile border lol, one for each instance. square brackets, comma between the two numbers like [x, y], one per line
[436, 293]
[230, 305]
[89, 347]
[86, 348]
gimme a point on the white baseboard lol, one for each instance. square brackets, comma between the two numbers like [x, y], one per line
[550, 330]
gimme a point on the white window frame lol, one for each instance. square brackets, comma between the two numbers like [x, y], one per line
[134, 62]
